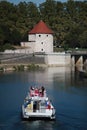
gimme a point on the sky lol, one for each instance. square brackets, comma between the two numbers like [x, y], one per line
[34, 1]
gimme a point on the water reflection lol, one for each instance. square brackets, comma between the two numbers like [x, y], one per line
[61, 74]
[39, 125]
[77, 77]
[64, 87]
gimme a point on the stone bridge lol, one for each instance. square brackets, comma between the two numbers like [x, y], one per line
[79, 58]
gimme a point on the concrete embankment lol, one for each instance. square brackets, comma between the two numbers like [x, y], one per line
[50, 59]
[21, 59]
[9, 62]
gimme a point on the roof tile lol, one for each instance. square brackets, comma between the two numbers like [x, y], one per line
[41, 28]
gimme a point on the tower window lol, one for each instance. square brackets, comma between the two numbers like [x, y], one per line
[41, 42]
[47, 35]
[41, 49]
[39, 35]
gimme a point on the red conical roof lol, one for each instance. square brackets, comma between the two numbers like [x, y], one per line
[42, 28]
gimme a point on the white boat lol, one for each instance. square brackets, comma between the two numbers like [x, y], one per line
[37, 105]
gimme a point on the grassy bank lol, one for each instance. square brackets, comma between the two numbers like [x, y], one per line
[20, 67]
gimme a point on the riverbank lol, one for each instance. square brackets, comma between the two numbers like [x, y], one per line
[20, 67]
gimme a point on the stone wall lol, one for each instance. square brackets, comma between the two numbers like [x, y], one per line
[58, 59]
[50, 59]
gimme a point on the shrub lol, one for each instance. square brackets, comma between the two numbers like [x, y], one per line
[19, 68]
[1, 68]
[6, 47]
[33, 67]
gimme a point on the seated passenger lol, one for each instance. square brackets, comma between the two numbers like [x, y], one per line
[36, 92]
[32, 92]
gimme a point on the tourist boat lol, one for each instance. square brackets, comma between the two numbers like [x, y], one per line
[37, 105]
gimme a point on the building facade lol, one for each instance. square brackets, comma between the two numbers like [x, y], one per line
[40, 39]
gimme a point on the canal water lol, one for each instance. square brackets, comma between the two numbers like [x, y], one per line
[66, 90]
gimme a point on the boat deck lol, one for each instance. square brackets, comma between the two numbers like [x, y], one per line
[37, 106]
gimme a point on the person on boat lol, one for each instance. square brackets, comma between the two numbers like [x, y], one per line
[43, 90]
[32, 91]
[48, 105]
[36, 92]
[40, 92]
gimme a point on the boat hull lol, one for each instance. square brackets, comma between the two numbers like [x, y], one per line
[37, 105]
[37, 115]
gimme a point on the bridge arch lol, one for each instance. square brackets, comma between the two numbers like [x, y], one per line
[78, 59]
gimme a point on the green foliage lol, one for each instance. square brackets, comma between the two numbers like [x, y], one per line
[83, 39]
[33, 67]
[29, 67]
[1, 69]
[68, 21]
[19, 68]
[6, 46]
[57, 49]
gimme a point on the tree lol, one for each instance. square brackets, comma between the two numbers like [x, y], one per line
[67, 20]
[83, 39]
[33, 14]
[2, 37]
[5, 34]
[15, 37]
